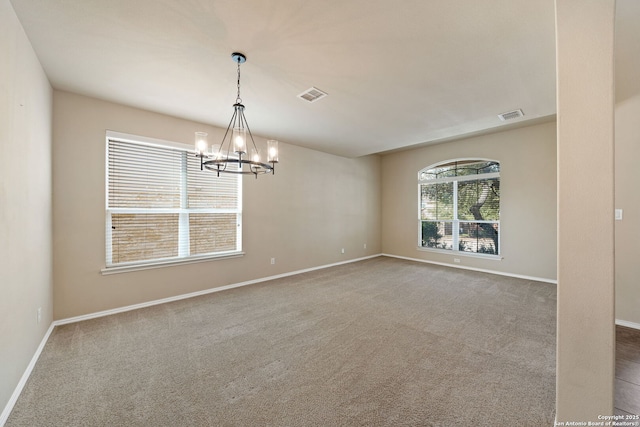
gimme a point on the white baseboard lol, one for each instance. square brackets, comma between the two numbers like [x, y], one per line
[482, 270]
[199, 293]
[27, 373]
[628, 324]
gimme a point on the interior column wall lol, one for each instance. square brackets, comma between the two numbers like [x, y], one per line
[585, 336]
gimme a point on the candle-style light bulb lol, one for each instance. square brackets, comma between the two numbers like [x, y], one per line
[272, 151]
[255, 155]
[201, 143]
[240, 140]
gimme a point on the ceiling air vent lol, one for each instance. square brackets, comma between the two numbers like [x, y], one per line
[312, 94]
[511, 115]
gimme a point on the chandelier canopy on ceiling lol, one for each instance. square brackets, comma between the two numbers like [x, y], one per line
[230, 156]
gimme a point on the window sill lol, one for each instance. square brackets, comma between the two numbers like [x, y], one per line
[166, 263]
[462, 254]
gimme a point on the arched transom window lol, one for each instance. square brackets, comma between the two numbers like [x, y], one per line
[460, 206]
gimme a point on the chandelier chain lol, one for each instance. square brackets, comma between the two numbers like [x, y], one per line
[238, 99]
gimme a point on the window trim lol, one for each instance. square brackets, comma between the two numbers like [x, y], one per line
[148, 265]
[455, 251]
[162, 262]
[460, 253]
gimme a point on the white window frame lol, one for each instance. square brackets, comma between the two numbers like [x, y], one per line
[183, 244]
[455, 222]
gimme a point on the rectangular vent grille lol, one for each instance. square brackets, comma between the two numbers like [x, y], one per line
[511, 115]
[312, 95]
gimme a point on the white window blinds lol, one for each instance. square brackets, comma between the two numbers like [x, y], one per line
[161, 206]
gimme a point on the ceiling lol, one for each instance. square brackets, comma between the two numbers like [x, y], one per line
[397, 74]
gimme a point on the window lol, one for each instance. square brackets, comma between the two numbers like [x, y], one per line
[460, 206]
[161, 207]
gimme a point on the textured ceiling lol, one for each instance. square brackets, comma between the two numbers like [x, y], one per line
[397, 73]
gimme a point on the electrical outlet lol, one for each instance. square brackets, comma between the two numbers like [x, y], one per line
[457, 260]
[342, 250]
[365, 246]
[39, 314]
[273, 261]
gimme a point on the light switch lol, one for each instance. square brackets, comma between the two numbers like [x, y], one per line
[618, 214]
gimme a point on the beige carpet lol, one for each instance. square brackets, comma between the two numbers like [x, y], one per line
[382, 342]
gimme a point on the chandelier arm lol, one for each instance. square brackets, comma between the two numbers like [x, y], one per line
[232, 125]
[227, 132]
[249, 130]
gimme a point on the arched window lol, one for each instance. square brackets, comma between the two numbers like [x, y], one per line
[460, 206]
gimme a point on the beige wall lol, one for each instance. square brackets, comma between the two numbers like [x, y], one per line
[628, 199]
[25, 202]
[627, 131]
[528, 199]
[315, 205]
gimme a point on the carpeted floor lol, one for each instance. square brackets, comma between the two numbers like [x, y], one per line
[381, 342]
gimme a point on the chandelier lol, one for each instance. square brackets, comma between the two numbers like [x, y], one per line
[230, 156]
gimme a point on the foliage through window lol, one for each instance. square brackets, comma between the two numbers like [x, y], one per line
[460, 206]
[161, 206]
